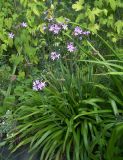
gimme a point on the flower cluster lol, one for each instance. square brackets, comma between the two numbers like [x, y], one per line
[63, 26]
[38, 85]
[71, 47]
[11, 35]
[55, 28]
[23, 24]
[86, 33]
[78, 32]
[54, 55]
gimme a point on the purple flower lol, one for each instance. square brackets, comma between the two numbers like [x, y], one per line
[70, 47]
[23, 24]
[55, 56]
[44, 27]
[86, 33]
[41, 85]
[65, 26]
[11, 35]
[51, 27]
[77, 31]
[55, 28]
[38, 85]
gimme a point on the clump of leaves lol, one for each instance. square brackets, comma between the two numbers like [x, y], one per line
[68, 118]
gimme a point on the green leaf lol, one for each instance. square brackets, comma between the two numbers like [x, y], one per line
[8, 22]
[19, 91]
[84, 132]
[51, 150]
[36, 11]
[21, 75]
[22, 143]
[98, 3]
[96, 11]
[68, 147]
[110, 21]
[113, 4]
[91, 17]
[114, 106]
[93, 13]
[44, 136]
[119, 26]
[24, 2]
[9, 100]
[4, 47]
[60, 19]
[105, 11]
[10, 42]
[78, 5]
[16, 59]
[94, 27]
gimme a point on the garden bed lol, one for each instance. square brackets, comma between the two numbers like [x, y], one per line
[61, 79]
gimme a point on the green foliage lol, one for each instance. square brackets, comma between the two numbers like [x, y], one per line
[78, 6]
[74, 115]
[102, 16]
[114, 150]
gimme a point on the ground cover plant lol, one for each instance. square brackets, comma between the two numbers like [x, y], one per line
[61, 78]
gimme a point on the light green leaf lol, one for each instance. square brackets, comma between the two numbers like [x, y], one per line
[21, 75]
[96, 11]
[8, 22]
[113, 4]
[119, 26]
[91, 17]
[35, 11]
[105, 11]
[60, 19]
[114, 107]
[78, 5]
[16, 59]
[94, 27]
[93, 13]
